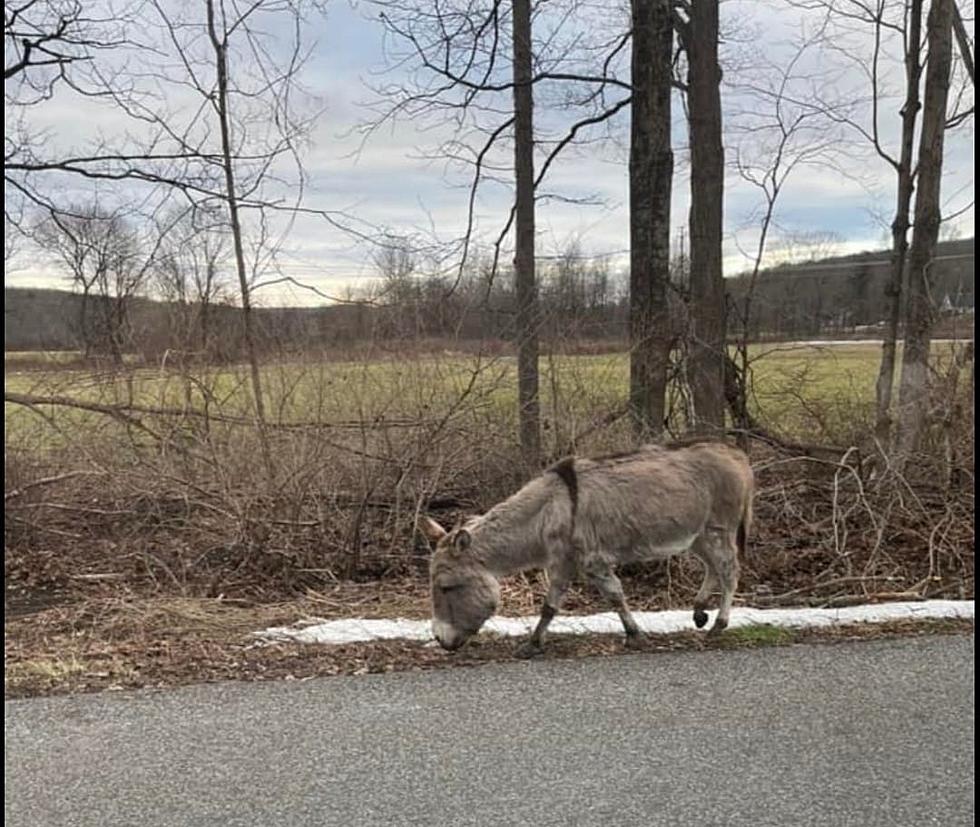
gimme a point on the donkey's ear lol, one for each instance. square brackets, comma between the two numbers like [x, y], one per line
[431, 529]
[462, 540]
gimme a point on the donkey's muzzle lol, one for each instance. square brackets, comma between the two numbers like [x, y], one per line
[449, 638]
[451, 645]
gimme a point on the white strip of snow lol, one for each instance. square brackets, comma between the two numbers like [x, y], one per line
[355, 630]
[845, 342]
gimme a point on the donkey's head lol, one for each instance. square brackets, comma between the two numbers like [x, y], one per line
[464, 593]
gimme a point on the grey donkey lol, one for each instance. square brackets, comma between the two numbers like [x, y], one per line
[588, 516]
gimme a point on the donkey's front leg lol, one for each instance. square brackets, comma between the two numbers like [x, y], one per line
[559, 579]
[600, 574]
[534, 645]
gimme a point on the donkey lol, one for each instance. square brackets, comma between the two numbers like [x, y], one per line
[588, 516]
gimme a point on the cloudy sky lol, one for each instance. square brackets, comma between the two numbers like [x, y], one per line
[842, 200]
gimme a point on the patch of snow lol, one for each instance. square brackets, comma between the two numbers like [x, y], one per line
[844, 342]
[356, 630]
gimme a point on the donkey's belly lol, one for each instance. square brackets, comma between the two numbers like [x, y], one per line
[662, 550]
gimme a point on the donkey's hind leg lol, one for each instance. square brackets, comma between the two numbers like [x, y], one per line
[601, 575]
[722, 551]
[709, 585]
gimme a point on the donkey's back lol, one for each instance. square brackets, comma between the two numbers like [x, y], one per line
[661, 500]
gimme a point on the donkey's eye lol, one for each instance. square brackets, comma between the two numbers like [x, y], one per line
[449, 588]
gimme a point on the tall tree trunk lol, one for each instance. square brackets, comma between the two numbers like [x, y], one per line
[651, 173]
[525, 284]
[220, 46]
[900, 226]
[708, 310]
[919, 315]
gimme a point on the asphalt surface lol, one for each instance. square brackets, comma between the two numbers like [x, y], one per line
[874, 733]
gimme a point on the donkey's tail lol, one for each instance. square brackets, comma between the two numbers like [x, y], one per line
[742, 535]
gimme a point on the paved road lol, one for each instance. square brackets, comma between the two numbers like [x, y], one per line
[860, 734]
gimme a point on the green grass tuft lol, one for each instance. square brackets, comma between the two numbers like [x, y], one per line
[761, 635]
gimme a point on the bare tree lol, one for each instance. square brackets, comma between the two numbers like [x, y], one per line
[651, 174]
[779, 136]
[963, 41]
[190, 277]
[460, 51]
[221, 24]
[908, 28]
[920, 312]
[106, 262]
[399, 291]
[58, 52]
[900, 223]
[699, 37]
[42, 38]
[524, 276]
[872, 38]
[242, 137]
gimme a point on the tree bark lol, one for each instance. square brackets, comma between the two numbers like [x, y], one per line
[708, 310]
[900, 227]
[919, 314]
[524, 276]
[651, 173]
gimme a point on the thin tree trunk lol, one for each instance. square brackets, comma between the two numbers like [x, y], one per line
[220, 46]
[205, 299]
[525, 284]
[708, 311]
[900, 227]
[117, 327]
[84, 322]
[651, 173]
[963, 40]
[919, 315]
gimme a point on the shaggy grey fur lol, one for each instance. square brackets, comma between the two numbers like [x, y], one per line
[588, 516]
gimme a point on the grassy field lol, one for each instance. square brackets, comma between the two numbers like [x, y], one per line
[801, 389]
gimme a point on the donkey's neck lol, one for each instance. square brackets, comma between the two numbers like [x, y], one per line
[507, 539]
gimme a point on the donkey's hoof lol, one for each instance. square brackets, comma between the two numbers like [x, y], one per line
[718, 627]
[635, 641]
[700, 618]
[528, 650]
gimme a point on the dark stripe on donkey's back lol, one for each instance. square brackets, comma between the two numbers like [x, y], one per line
[565, 469]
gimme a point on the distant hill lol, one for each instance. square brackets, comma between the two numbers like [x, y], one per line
[44, 319]
[834, 295]
[848, 292]
[38, 319]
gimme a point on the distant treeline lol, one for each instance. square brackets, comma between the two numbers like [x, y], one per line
[580, 299]
[838, 295]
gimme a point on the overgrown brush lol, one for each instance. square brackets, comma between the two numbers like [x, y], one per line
[149, 482]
